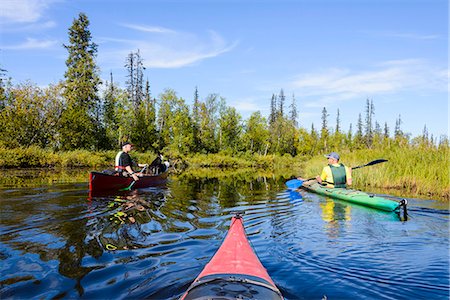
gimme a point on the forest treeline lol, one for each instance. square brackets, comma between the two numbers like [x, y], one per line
[82, 112]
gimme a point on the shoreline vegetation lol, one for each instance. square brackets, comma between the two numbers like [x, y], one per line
[413, 171]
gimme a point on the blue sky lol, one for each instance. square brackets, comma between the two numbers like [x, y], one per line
[333, 54]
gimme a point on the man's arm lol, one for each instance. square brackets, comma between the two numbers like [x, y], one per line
[131, 172]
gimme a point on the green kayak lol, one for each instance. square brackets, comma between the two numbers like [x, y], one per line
[355, 196]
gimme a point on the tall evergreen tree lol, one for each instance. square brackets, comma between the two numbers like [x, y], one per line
[273, 109]
[79, 126]
[398, 131]
[370, 112]
[386, 130]
[338, 122]
[293, 114]
[324, 132]
[425, 134]
[358, 141]
[282, 100]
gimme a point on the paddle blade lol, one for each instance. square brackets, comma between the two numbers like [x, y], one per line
[129, 187]
[295, 196]
[294, 184]
[374, 162]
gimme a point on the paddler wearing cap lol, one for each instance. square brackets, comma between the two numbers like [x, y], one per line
[336, 174]
[124, 163]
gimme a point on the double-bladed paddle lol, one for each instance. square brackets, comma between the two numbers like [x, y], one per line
[294, 184]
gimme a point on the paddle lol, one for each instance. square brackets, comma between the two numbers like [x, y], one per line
[294, 184]
[134, 181]
[129, 187]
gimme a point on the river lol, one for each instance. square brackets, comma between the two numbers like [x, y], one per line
[57, 241]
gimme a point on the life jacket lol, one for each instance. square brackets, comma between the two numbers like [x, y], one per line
[117, 163]
[339, 176]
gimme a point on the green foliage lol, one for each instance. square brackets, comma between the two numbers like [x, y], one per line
[256, 134]
[230, 130]
[30, 115]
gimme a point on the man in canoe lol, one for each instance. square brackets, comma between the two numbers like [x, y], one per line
[124, 163]
[336, 174]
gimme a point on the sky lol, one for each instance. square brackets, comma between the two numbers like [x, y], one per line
[322, 53]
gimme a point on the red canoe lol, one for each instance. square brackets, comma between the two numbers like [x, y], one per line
[101, 182]
[234, 272]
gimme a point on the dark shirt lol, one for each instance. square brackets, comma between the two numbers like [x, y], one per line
[125, 160]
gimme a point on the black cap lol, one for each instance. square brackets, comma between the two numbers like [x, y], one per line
[126, 143]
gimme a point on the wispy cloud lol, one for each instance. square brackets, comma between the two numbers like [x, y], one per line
[29, 27]
[414, 36]
[247, 104]
[338, 84]
[144, 28]
[23, 11]
[30, 44]
[403, 35]
[171, 49]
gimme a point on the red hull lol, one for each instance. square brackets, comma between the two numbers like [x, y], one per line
[100, 182]
[234, 259]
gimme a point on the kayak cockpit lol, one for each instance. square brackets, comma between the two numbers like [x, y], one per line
[232, 286]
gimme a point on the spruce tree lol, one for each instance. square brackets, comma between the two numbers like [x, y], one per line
[282, 99]
[324, 133]
[293, 112]
[79, 125]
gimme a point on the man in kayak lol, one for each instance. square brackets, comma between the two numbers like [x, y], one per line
[336, 175]
[124, 163]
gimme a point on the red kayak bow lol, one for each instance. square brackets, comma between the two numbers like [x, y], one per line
[234, 272]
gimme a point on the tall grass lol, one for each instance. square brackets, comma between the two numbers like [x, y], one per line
[35, 157]
[415, 171]
[242, 160]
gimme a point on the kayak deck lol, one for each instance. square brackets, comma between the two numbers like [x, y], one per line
[354, 196]
[234, 272]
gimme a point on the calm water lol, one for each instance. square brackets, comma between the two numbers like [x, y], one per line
[58, 242]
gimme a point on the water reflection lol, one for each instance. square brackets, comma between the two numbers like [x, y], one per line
[121, 225]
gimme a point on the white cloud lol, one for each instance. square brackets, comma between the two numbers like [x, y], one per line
[29, 27]
[335, 85]
[145, 28]
[31, 43]
[248, 104]
[173, 49]
[23, 11]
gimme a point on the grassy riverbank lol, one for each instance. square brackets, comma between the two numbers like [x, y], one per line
[413, 171]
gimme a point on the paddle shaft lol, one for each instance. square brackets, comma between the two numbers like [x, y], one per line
[374, 162]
